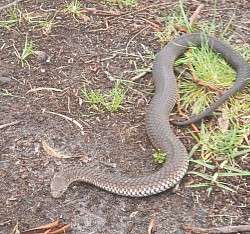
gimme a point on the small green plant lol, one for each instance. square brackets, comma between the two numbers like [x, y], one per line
[14, 16]
[47, 25]
[74, 8]
[100, 102]
[159, 157]
[171, 19]
[224, 147]
[123, 3]
[26, 52]
[6, 93]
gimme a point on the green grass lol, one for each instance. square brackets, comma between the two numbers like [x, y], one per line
[209, 68]
[26, 52]
[123, 3]
[14, 16]
[74, 8]
[6, 93]
[45, 24]
[99, 102]
[178, 17]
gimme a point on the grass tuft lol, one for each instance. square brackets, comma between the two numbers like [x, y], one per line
[26, 52]
[74, 8]
[220, 152]
[209, 68]
[123, 3]
[100, 102]
[14, 16]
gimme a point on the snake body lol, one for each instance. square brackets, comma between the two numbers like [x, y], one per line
[157, 125]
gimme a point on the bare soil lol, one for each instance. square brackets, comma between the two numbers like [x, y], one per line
[83, 51]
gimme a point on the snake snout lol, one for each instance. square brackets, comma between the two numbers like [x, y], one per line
[58, 186]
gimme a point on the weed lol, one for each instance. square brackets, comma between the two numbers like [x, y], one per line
[26, 52]
[123, 3]
[6, 93]
[74, 8]
[224, 148]
[100, 102]
[184, 16]
[159, 157]
[210, 27]
[171, 19]
[14, 17]
[45, 24]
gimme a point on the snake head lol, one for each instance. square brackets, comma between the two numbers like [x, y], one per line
[58, 185]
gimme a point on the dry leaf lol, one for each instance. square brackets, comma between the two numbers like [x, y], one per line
[53, 153]
[85, 18]
[152, 227]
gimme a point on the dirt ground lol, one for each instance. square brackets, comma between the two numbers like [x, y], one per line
[94, 51]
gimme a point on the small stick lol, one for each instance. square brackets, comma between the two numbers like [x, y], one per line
[152, 227]
[9, 124]
[140, 75]
[61, 230]
[181, 29]
[194, 16]
[154, 25]
[218, 230]
[10, 4]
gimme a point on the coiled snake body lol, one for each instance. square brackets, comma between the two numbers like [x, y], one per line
[158, 126]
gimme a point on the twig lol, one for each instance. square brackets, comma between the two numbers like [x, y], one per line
[181, 29]
[68, 118]
[140, 75]
[194, 16]
[47, 229]
[10, 4]
[53, 153]
[9, 124]
[154, 25]
[152, 227]
[219, 230]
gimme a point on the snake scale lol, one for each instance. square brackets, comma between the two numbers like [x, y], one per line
[157, 125]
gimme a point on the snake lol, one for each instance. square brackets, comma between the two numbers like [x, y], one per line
[157, 124]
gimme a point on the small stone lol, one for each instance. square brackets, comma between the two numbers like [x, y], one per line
[43, 57]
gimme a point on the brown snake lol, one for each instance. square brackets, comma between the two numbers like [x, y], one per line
[157, 125]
